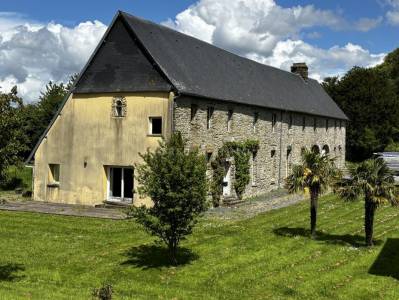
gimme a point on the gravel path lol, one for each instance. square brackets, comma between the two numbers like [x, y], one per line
[247, 209]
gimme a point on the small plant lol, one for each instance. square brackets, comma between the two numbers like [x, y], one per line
[103, 293]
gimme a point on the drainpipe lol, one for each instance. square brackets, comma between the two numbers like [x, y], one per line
[281, 150]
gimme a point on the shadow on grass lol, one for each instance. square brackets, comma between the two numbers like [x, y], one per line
[338, 239]
[387, 262]
[155, 256]
[8, 272]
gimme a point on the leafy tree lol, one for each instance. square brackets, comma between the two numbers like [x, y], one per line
[373, 181]
[315, 174]
[37, 116]
[11, 135]
[369, 98]
[176, 182]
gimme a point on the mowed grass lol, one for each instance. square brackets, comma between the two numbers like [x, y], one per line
[266, 257]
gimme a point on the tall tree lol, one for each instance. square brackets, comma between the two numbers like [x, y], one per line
[373, 181]
[175, 180]
[11, 136]
[368, 96]
[316, 173]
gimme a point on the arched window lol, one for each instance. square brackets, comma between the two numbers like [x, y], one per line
[119, 107]
[315, 149]
[325, 150]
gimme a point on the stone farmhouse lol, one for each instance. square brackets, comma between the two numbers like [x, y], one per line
[145, 81]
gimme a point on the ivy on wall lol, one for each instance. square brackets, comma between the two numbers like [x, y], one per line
[241, 152]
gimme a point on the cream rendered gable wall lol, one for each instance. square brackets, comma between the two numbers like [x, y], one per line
[85, 138]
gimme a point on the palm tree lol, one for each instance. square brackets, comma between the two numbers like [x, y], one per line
[315, 174]
[372, 180]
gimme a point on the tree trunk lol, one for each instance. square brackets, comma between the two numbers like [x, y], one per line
[314, 195]
[172, 247]
[370, 208]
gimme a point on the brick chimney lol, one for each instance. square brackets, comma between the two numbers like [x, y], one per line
[300, 69]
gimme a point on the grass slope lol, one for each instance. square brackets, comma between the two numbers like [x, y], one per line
[266, 257]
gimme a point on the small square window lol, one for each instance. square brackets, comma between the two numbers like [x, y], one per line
[54, 175]
[156, 125]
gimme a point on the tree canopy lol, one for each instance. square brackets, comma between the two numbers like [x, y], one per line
[370, 99]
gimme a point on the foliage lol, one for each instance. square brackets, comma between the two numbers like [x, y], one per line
[316, 173]
[81, 253]
[392, 146]
[175, 180]
[372, 180]
[370, 98]
[37, 116]
[11, 136]
[241, 152]
[103, 293]
[17, 177]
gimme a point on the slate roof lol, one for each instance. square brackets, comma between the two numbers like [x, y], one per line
[200, 69]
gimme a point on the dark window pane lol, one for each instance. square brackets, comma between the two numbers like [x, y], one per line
[156, 125]
[128, 183]
[116, 177]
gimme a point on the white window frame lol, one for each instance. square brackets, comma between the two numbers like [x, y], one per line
[150, 126]
[122, 197]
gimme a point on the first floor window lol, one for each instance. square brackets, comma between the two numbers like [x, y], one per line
[229, 120]
[194, 108]
[155, 125]
[274, 121]
[54, 176]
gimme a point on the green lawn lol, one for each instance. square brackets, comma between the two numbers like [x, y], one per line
[266, 257]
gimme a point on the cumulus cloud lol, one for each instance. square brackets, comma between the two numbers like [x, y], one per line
[31, 53]
[266, 32]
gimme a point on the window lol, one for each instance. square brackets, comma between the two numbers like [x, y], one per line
[256, 117]
[326, 124]
[290, 122]
[118, 107]
[54, 176]
[120, 184]
[340, 124]
[155, 125]
[209, 117]
[208, 157]
[314, 124]
[335, 125]
[303, 123]
[194, 109]
[253, 169]
[274, 121]
[274, 166]
[229, 120]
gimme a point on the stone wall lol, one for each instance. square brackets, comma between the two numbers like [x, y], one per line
[273, 160]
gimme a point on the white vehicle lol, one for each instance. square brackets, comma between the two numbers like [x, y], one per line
[392, 160]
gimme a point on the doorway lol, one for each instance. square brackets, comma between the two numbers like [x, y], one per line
[227, 180]
[120, 184]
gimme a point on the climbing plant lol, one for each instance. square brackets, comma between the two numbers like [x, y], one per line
[241, 152]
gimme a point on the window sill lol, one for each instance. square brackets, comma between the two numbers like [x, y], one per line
[53, 185]
[155, 135]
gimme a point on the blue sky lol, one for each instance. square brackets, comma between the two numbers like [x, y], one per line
[331, 36]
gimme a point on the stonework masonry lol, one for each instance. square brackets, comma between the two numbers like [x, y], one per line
[280, 145]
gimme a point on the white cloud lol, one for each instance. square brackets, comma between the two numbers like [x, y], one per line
[31, 53]
[392, 14]
[266, 32]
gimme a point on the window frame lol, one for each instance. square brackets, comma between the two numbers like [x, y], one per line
[54, 174]
[151, 128]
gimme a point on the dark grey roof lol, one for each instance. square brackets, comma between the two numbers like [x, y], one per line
[201, 69]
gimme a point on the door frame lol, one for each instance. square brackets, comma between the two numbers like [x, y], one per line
[228, 181]
[122, 198]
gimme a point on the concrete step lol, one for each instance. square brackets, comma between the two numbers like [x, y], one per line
[231, 201]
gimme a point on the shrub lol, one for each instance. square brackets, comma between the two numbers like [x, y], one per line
[103, 293]
[175, 180]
